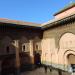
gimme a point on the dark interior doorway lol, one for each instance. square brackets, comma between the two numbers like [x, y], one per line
[71, 62]
[37, 59]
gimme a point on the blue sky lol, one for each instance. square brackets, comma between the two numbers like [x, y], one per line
[38, 11]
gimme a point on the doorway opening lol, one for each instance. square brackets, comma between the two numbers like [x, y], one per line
[37, 59]
[71, 62]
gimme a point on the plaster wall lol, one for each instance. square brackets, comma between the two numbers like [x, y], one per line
[51, 44]
[10, 34]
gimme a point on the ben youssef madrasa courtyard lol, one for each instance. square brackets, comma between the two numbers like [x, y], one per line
[51, 44]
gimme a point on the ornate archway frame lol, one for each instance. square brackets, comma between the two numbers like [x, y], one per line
[66, 53]
[60, 39]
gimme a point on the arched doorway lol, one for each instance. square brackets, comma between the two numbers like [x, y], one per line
[67, 51]
[71, 62]
[37, 59]
[37, 51]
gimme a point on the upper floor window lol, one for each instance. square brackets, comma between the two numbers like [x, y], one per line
[23, 48]
[36, 47]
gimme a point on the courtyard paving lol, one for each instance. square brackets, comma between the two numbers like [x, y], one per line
[41, 71]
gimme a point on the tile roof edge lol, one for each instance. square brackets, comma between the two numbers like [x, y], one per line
[55, 20]
[65, 8]
[5, 20]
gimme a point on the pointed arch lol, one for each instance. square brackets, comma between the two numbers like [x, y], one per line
[66, 53]
[37, 43]
[67, 40]
[68, 56]
[24, 43]
[6, 40]
[7, 46]
[23, 39]
[36, 39]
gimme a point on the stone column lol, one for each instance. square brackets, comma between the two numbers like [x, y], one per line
[31, 52]
[17, 57]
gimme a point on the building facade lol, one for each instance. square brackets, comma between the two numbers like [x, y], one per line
[18, 44]
[54, 41]
[58, 45]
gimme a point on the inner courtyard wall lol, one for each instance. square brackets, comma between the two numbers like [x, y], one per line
[28, 37]
[9, 34]
[52, 53]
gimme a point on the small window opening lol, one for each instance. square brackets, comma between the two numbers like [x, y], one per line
[7, 49]
[36, 47]
[23, 47]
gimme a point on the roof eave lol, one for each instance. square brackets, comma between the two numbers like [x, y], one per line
[60, 22]
[66, 8]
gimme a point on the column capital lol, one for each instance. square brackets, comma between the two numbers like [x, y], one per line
[16, 43]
